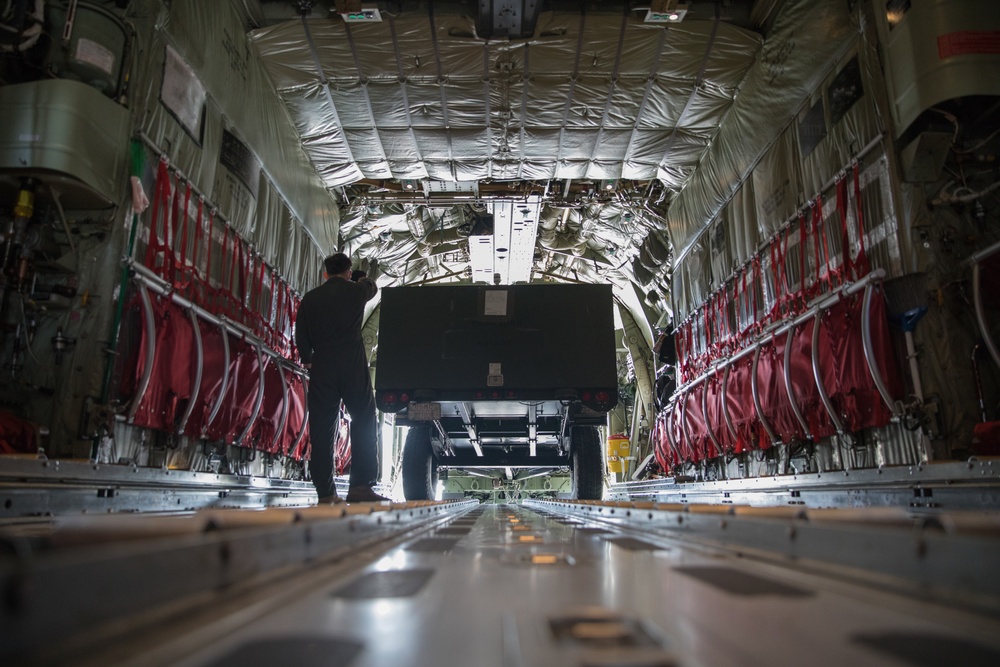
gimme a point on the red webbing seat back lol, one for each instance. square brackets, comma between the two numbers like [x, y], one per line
[804, 384]
[739, 401]
[694, 419]
[844, 370]
[213, 367]
[264, 431]
[773, 394]
[17, 436]
[241, 394]
[296, 420]
[173, 370]
[658, 438]
[224, 275]
[680, 446]
[714, 419]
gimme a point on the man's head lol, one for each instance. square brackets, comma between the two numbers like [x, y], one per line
[338, 265]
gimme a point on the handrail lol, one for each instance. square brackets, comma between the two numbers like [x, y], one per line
[708, 422]
[149, 281]
[755, 392]
[818, 377]
[200, 362]
[163, 288]
[147, 371]
[225, 380]
[725, 403]
[985, 253]
[670, 433]
[305, 417]
[284, 409]
[869, 350]
[788, 385]
[260, 396]
[821, 303]
[684, 425]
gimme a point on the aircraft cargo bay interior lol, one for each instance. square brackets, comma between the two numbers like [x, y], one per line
[509, 332]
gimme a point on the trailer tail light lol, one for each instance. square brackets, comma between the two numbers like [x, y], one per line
[389, 398]
[404, 398]
[511, 393]
[480, 394]
[598, 399]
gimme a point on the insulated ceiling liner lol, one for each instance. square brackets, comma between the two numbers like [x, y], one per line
[806, 41]
[419, 95]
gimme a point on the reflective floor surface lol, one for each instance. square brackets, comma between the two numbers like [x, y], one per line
[512, 586]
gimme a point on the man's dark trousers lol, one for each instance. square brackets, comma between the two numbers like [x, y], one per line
[342, 376]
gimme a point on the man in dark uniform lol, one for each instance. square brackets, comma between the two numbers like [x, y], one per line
[328, 335]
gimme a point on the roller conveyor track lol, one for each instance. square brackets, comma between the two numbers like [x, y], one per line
[545, 583]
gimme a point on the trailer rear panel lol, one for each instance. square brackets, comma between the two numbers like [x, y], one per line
[450, 342]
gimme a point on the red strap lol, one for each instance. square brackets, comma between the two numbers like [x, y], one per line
[774, 277]
[741, 290]
[803, 242]
[787, 298]
[292, 308]
[720, 320]
[199, 232]
[170, 255]
[242, 284]
[756, 284]
[819, 227]
[279, 316]
[260, 287]
[246, 288]
[179, 279]
[688, 348]
[209, 237]
[225, 278]
[847, 266]
[161, 198]
[861, 264]
[707, 316]
[230, 294]
[252, 297]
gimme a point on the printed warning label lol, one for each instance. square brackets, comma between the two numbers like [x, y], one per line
[495, 303]
[96, 55]
[969, 43]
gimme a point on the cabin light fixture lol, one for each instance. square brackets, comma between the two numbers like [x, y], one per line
[351, 12]
[674, 14]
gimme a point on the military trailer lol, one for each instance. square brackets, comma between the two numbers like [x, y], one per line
[498, 377]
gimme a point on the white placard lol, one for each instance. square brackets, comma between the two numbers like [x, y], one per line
[182, 92]
[95, 55]
[496, 303]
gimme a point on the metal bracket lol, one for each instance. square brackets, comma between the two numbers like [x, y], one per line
[463, 411]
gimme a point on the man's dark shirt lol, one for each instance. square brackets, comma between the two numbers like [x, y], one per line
[328, 324]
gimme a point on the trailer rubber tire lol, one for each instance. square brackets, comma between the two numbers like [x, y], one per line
[586, 463]
[419, 465]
